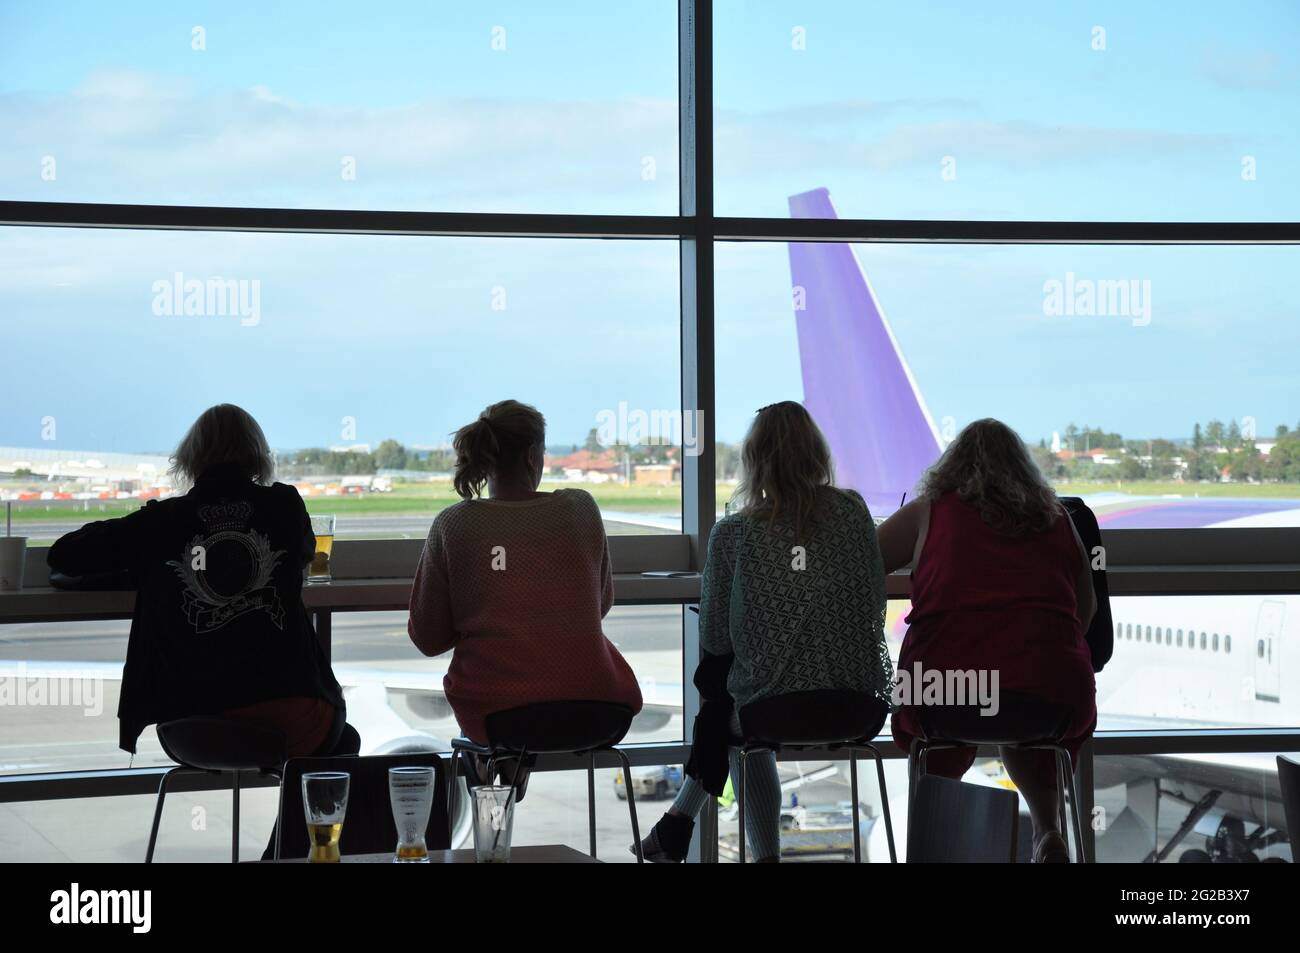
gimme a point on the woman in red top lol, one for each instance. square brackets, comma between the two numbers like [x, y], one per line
[1000, 583]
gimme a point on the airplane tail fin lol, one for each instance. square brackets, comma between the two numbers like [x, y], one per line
[857, 385]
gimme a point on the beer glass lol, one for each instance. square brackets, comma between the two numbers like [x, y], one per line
[324, 802]
[319, 570]
[410, 791]
[494, 816]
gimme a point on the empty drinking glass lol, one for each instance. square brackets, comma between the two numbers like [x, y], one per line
[493, 820]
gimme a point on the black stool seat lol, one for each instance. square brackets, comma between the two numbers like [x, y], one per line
[219, 746]
[1020, 719]
[826, 719]
[820, 718]
[559, 727]
[556, 727]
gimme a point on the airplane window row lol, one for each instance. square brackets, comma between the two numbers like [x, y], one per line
[1173, 637]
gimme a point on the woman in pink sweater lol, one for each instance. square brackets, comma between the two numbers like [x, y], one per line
[516, 585]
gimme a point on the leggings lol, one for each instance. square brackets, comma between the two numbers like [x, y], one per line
[762, 799]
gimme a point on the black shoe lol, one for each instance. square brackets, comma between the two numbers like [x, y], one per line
[668, 841]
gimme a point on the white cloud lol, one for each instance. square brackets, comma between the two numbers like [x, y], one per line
[1244, 69]
[128, 137]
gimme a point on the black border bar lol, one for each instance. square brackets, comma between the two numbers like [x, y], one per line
[686, 226]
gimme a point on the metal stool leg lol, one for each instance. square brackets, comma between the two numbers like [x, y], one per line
[631, 803]
[453, 789]
[157, 814]
[740, 799]
[857, 826]
[234, 827]
[1067, 769]
[591, 800]
[884, 802]
[916, 768]
[1062, 817]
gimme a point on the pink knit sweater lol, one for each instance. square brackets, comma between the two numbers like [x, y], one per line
[516, 590]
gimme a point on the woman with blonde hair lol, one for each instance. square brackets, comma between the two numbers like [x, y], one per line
[793, 596]
[219, 626]
[1000, 583]
[515, 585]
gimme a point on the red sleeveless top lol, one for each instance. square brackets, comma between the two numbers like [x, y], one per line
[967, 565]
[986, 599]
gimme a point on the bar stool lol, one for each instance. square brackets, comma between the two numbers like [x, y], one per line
[1022, 722]
[203, 745]
[561, 727]
[826, 720]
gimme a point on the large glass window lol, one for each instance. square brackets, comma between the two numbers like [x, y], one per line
[485, 107]
[1189, 808]
[1014, 110]
[1153, 381]
[358, 355]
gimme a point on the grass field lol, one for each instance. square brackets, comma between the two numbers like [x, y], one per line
[1253, 491]
[428, 498]
[405, 498]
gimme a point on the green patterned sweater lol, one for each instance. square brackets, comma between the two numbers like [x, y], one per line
[800, 614]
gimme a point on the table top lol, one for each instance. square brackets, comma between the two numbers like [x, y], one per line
[538, 854]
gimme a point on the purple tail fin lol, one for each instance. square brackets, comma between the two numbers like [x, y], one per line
[856, 384]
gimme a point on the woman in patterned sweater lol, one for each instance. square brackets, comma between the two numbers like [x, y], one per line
[794, 590]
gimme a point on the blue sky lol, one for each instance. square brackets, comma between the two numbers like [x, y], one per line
[577, 113]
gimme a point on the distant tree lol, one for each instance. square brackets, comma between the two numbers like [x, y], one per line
[1214, 433]
[390, 455]
[593, 441]
[1130, 468]
[727, 461]
[1233, 438]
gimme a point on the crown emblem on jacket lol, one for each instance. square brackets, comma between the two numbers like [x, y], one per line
[222, 517]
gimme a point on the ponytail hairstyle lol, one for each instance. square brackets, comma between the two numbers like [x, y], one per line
[784, 462]
[497, 444]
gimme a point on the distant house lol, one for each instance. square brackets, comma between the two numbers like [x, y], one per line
[661, 474]
[1097, 455]
[588, 467]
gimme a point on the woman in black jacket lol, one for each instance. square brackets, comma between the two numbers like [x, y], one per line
[219, 626]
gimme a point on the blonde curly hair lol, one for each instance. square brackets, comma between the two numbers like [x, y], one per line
[989, 467]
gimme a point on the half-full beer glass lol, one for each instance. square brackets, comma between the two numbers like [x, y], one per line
[325, 802]
[319, 570]
[410, 790]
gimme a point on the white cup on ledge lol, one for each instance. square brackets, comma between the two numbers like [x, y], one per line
[13, 556]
